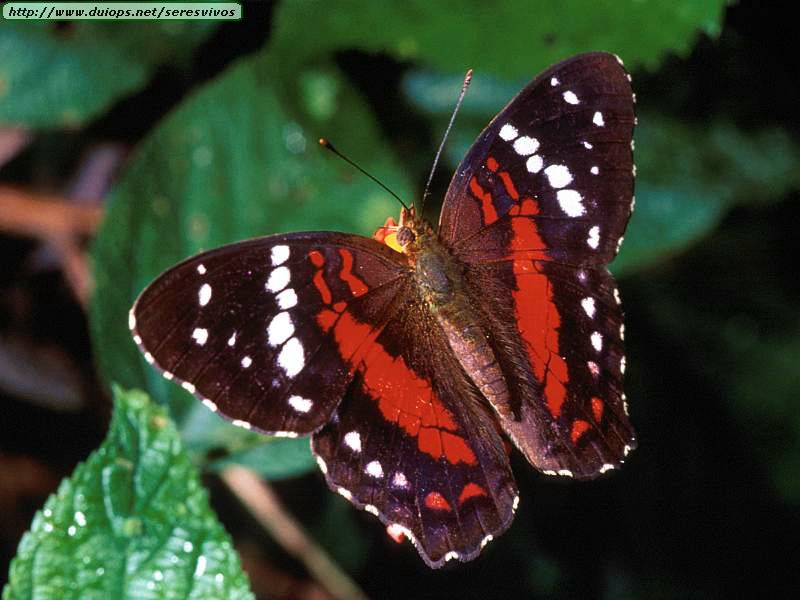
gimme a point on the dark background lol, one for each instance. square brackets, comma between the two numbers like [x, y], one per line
[707, 507]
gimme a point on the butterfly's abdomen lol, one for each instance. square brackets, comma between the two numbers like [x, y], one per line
[439, 276]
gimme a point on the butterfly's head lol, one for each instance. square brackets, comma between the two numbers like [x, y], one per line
[411, 230]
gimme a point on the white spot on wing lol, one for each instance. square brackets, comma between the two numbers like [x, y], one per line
[594, 170]
[554, 81]
[300, 404]
[322, 466]
[400, 480]
[291, 359]
[558, 175]
[200, 335]
[278, 279]
[526, 145]
[622, 365]
[570, 98]
[374, 469]
[597, 341]
[534, 164]
[287, 298]
[452, 555]
[345, 493]
[571, 202]
[616, 296]
[131, 320]
[210, 405]
[597, 119]
[588, 305]
[232, 340]
[606, 467]
[371, 509]
[515, 504]
[246, 362]
[167, 375]
[486, 540]
[204, 295]
[279, 255]
[594, 237]
[593, 368]
[353, 440]
[280, 329]
[622, 331]
[149, 358]
[188, 387]
[587, 145]
[565, 473]
[201, 269]
[508, 132]
[240, 423]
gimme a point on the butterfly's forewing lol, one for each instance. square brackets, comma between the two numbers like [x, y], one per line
[537, 209]
[243, 326]
[560, 154]
[413, 442]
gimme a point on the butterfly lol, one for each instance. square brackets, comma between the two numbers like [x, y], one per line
[412, 358]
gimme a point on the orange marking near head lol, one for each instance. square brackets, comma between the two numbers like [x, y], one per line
[403, 397]
[511, 190]
[491, 164]
[435, 501]
[487, 206]
[471, 490]
[356, 285]
[579, 427]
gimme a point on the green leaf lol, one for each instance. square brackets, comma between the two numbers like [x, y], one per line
[62, 78]
[133, 521]
[237, 159]
[689, 176]
[509, 37]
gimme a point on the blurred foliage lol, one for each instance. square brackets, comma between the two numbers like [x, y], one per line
[53, 76]
[133, 521]
[511, 38]
[237, 157]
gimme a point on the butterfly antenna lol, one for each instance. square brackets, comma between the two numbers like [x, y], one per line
[326, 144]
[464, 86]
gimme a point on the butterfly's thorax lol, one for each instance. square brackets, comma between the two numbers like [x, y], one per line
[439, 278]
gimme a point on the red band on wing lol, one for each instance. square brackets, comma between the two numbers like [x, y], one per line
[487, 204]
[318, 260]
[539, 321]
[471, 490]
[436, 501]
[579, 427]
[402, 396]
[597, 409]
[509, 185]
[357, 287]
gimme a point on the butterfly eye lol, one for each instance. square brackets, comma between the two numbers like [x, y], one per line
[405, 236]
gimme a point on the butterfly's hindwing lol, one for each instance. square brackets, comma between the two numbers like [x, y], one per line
[246, 327]
[413, 443]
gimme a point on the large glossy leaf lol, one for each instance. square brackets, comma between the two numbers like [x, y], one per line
[511, 38]
[133, 521]
[61, 77]
[233, 161]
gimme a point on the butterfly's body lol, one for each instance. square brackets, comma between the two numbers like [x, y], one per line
[410, 366]
[439, 279]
